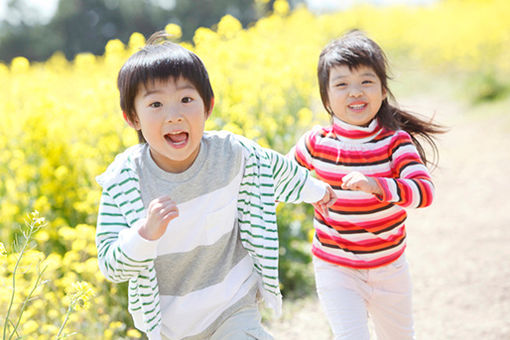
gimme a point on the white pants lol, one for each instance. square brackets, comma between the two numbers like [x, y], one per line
[348, 296]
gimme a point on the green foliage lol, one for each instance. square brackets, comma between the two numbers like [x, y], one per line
[294, 226]
[86, 26]
[487, 85]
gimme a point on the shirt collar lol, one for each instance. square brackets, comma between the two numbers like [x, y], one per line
[356, 134]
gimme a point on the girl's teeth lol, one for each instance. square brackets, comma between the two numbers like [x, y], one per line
[357, 107]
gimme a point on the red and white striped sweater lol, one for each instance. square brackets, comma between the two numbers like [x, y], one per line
[364, 230]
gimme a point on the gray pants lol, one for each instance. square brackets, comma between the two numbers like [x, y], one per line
[245, 324]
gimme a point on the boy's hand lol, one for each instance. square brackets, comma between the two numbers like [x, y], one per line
[160, 212]
[327, 201]
[357, 181]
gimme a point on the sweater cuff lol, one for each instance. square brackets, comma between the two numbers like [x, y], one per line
[135, 246]
[313, 190]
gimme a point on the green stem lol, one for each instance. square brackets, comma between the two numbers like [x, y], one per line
[12, 324]
[14, 287]
[39, 276]
[65, 321]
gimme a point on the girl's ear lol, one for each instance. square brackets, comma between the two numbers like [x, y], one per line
[135, 125]
[384, 93]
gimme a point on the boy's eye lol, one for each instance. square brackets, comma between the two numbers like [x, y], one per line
[155, 104]
[187, 100]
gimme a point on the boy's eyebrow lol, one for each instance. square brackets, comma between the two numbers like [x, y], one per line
[181, 87]
[149, 92]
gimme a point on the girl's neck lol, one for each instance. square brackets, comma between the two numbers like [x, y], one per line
[353, 133]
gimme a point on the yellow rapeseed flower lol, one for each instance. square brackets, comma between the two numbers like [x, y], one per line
[30, 326]
[136, 41]
[133, 333]
[20, 65]
[229, 26]
[80, 294]
[281, 7]
[174, 30]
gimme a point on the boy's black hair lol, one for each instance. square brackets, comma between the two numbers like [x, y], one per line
[161, 59]
[355, 49]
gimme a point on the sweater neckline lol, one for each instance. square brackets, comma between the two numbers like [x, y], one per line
[356, 134]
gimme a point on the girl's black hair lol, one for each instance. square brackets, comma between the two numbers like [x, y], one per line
[355, 49]
[161, 59]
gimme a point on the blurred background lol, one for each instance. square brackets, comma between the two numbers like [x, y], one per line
[62, 125]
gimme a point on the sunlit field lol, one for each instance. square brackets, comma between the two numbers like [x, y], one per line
[62, 126]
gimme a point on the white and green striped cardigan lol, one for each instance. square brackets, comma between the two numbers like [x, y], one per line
[268, 177]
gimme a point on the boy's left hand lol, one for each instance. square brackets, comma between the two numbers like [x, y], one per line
[327, 201]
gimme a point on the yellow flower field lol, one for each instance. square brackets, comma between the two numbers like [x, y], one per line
[61, 127]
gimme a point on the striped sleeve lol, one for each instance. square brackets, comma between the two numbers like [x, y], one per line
[302, 152]
[122, 253]
[293, 183]
[412, 186]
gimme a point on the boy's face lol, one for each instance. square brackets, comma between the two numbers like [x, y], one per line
[171, 115]
[356, 95]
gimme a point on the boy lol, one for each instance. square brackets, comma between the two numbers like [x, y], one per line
[187, 216]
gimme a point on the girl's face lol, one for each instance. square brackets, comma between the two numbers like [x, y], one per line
[171, 116]
[356, 95]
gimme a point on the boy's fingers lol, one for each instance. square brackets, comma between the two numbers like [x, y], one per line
[325, 210]
[171, 215]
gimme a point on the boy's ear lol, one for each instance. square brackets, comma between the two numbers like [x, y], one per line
[135, 125]
[210, 108]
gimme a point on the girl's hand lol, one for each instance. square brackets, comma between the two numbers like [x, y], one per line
[160, 212]
[357, 181]
[327, 201]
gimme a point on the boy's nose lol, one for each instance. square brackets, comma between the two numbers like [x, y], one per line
[177, 119]
[174, 116]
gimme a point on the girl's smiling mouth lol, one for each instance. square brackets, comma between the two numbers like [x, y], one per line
[358, 106]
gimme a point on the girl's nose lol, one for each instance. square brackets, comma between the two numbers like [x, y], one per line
[355, 92]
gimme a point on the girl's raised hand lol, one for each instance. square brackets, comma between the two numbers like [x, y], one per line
[160, 212]
[357, 181]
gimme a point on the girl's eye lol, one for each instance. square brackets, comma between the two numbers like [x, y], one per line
[367, 82]
[341, 85]
[187, 100]
[155, 104]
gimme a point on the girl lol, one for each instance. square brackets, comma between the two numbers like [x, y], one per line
[375, 164]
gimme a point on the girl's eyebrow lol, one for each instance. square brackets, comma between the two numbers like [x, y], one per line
[364, 74]
[369, 74]
[339, 77]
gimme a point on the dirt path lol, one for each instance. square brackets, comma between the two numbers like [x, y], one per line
[459, 248]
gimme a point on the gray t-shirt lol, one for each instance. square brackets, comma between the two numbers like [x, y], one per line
[204, 273]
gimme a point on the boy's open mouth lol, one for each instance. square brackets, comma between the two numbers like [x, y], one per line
[177, 138]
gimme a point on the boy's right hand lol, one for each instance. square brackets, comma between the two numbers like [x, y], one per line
[160, 212]
[327, 201]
